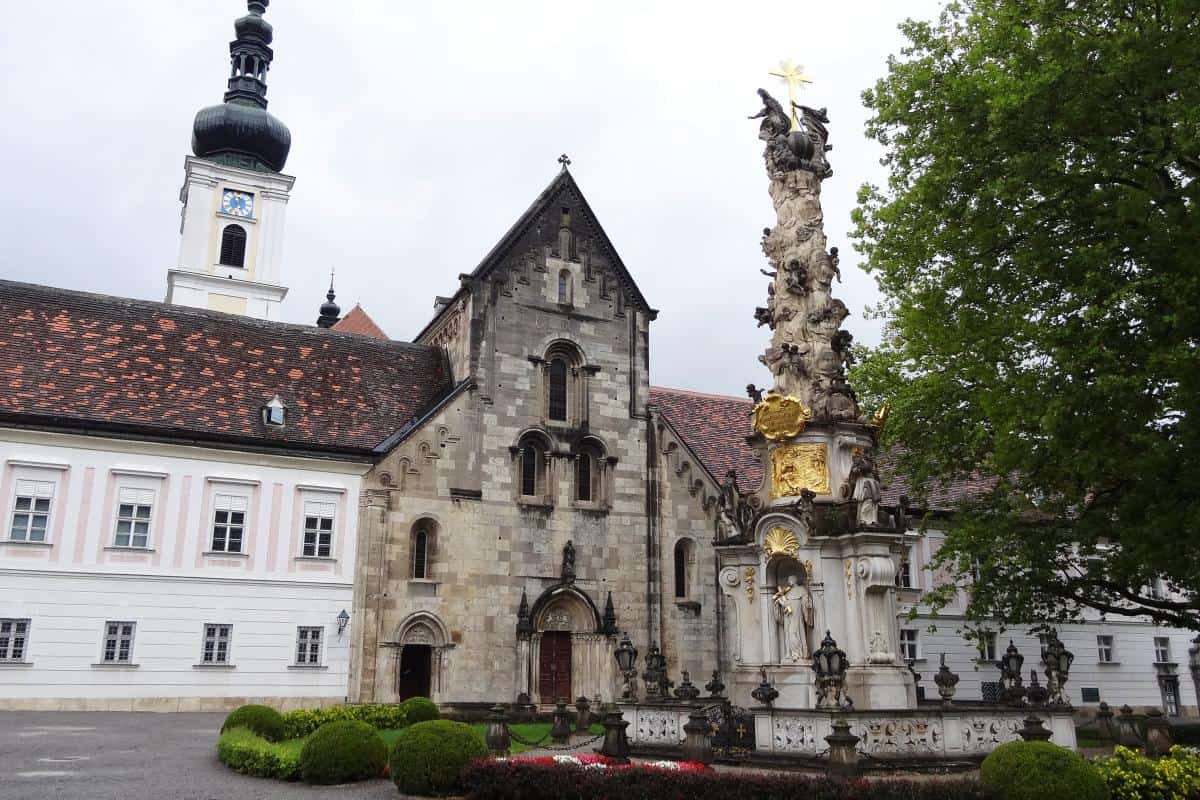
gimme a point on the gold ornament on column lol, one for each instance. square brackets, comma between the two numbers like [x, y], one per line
[781, 541]
[780, 417]
[799, 466]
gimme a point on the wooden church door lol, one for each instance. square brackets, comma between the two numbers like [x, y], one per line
[554, 666]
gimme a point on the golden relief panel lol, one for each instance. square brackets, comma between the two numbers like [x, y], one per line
[780, 417]
[799, 466]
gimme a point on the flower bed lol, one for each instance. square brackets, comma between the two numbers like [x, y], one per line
[593, 761]
[552, 778]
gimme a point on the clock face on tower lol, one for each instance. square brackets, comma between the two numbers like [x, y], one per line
[237, 204]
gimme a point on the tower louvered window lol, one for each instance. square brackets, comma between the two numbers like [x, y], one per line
[233, 246]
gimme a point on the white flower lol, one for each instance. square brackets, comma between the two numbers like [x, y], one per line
[567, 760]
[664, 764]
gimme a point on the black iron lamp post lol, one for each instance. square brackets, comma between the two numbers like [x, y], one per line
[626, 655]
[1058, 660]
[1010, 665]
[830, 664]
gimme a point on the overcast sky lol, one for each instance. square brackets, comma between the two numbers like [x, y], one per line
[422, 130]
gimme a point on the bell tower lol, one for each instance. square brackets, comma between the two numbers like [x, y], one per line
[234, 192]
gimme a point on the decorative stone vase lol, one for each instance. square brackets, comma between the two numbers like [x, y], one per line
[1034, 731]
[560, 732]
[696, 743]
[616, 743]
[715, 688]
[497, 737]
[843, 751]
[1159, 734]
[765, 692]
[1038, 694]
[583, 714]
[1104, 723]
[687, 691]
[946, 681]
[1127, 730]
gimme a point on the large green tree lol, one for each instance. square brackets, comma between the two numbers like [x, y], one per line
[1038, 248]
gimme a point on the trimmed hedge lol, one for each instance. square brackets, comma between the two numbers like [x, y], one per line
[503, 780]
[420, 709]
[429, 757]
[1038, 770]
[343, 751]
[243, 751]
[301, 722]
[263, 720]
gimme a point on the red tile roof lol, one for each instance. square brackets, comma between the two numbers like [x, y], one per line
[360, 322]
[715, 427]
[108, 364]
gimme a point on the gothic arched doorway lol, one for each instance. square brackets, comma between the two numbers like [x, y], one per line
[421, 657]
[567, 654]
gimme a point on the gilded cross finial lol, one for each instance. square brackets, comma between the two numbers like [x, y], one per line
[564, 161]
[794, 76]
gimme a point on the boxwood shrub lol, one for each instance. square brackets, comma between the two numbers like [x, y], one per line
[244, 751]
[420, 709]
[503, 780]
[263, 720]
[1038, 770]
[303, 721]
[343, 751]
[429, 757]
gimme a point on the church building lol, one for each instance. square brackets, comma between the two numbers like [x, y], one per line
[204, 506]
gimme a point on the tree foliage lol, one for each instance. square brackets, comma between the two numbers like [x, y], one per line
[1038, 249]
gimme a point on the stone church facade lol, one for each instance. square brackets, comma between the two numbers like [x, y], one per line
[534, 514]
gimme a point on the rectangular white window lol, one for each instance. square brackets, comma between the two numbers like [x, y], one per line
[308, 646]
[1104, 649]
[14, 640]
[909, 648]
[229, 523]
[1162, 650]
[118, 643]
[133, 518]
[987, 647]
[216, 644]
[318, 528]
[31, 511]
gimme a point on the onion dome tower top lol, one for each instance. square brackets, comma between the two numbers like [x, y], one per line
[330, 311]
[240, 132]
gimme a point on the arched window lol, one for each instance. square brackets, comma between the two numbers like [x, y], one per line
[529, 457]
[422, 537]
[583, 478]
[564, 286]
[233, 246]
[683, 568]
[558, 390]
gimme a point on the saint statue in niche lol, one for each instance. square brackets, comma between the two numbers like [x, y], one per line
[793, 606]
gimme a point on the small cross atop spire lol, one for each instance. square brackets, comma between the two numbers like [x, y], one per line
[564, 160]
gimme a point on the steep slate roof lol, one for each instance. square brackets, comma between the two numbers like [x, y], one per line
[108, 364]
[715, 428]
[360, 322]
[545, 203]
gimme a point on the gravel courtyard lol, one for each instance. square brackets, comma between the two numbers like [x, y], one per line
[127, 756]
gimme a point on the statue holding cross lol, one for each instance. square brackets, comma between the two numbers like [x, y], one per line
[795, 140]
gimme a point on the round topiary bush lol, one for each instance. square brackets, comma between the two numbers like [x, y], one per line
[263, 720]
[1037, 770]
[343, 751]
[420, 709]
[429, 757]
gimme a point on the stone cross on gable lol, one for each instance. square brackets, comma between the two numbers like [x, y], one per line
[564, 161]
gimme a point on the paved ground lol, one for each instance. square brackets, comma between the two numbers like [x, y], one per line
[106, 755]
